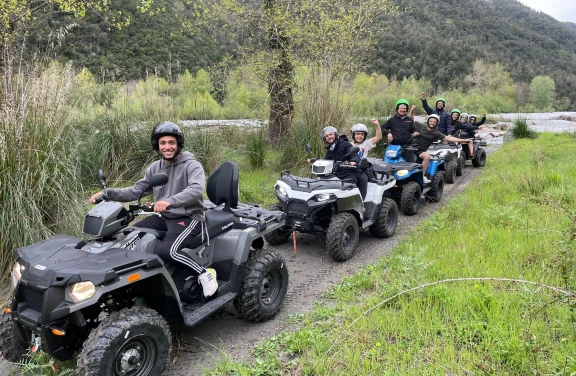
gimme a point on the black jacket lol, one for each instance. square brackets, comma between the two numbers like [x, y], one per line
[401, 129]
[468, 130]
[341, 147]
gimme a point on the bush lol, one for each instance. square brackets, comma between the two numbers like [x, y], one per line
[522, 130]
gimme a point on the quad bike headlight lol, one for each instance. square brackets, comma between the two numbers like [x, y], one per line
[391, 153]
[402, 172]
[280, 189]
[324, 197]
[16, 273]
[82, 291]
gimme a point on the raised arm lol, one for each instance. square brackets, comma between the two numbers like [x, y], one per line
[378, 136]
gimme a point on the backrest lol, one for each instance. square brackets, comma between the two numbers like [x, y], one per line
[222, 186]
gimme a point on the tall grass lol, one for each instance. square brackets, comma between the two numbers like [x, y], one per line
[38, 160]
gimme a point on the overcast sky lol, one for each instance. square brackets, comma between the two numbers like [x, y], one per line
[562, 10]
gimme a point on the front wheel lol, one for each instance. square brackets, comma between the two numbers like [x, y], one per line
[11, 348]
[134, 341]
[342, 236]
[264, 286]
[385, 225]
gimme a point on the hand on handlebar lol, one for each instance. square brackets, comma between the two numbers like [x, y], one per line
[161, 206]
[97, 198]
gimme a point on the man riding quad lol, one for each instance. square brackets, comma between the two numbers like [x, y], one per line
[400, 128]
[429, 135]
[473, 119]
[445, 125]
[179, 203]
[467, 130]
[336, 150]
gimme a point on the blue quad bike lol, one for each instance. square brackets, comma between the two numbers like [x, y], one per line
[110, 298]
[400, 161]
[333, 208]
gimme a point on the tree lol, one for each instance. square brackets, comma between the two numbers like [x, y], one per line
[17, 18]
[542, 92]
[277, 35]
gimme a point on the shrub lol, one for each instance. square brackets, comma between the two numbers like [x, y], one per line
[521, 129]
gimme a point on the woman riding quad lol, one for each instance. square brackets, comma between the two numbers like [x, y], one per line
[457, 125]
[359, 133]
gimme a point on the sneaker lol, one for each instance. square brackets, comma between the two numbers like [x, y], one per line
[208, 282]
[426, 180]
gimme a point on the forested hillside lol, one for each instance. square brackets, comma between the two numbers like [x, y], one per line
[441, 40]
[438, 41]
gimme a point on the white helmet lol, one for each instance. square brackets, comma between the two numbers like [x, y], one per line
[433, 116]
[464, 115]
[329, 129]
[359, 128]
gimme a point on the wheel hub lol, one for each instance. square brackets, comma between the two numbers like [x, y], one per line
[131, 360]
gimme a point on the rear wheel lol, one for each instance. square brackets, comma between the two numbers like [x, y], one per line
[410, 199]
[281, 235]
[385, 225]
[479, 158]
[134, 341]
[450, 173]
[264, 286]
[435, 193]
[342, 236]
[11, 348]
[460, 163]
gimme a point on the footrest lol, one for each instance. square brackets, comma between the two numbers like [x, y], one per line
[194, 314]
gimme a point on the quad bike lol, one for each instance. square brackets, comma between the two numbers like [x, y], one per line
[479, 159]
[333, 208]
[400, 161]
[449, 153]
[111, 298]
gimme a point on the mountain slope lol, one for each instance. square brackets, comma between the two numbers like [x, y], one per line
[441, 40]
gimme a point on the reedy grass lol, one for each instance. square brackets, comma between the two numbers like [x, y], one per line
[521, 129]
[500, 227]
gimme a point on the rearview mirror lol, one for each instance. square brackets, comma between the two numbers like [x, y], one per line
[101, 177]
[308, 148]
[158, 179]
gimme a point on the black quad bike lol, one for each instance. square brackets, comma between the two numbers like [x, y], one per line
[478, 145]
[333, 208]
[111, 298]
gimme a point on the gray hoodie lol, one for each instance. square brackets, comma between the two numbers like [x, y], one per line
[184, 190]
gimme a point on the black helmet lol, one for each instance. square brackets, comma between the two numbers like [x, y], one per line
[167, 128]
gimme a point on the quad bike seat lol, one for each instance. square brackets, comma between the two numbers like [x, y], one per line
[221, 188]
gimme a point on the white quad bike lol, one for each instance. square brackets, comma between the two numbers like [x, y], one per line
[333, 208]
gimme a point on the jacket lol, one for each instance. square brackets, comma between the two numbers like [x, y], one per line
[401, 129]
[445, 125]
[184, 190]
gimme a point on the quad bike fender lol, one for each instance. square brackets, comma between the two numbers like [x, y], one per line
[352, 204]
[433, 167]
[160, 276]
[375, 192]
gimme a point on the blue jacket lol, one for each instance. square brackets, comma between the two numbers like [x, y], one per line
[445, 126]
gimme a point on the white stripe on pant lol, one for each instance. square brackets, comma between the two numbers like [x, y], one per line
[183, 259]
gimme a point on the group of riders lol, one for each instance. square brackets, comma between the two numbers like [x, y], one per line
[401, 129]
[179, 203]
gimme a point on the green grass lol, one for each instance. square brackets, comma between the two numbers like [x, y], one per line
[514, 221]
